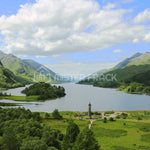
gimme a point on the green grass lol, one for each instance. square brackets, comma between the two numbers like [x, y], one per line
[145, 137]
[3, 89]
[120, 148]
[20, 98]
[143, 115]
[144, 127]
[109, 132]
[62, 124]
[120, 135]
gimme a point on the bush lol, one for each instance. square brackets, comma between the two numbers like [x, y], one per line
[109, 112]
[33, 143]
[47, 115]
[111, 119]
[118, 117]
[105, 120]
[56, 114]
[139, 118]
[97, 113]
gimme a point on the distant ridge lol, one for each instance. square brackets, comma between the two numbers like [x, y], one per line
[131, 75]
[27, 69]
[126, 61]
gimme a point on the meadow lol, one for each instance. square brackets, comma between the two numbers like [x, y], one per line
[130, 133]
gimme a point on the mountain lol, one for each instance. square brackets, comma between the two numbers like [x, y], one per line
[132, 70]
[28, 70]
[126, 61]
[8, 79]
[143, 59]
[17, 66]
[118, 66]
[96, 74]
[38, 67]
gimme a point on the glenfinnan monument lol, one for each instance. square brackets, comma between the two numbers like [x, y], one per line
[89, 112]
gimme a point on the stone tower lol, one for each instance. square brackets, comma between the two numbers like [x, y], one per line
[89, 112]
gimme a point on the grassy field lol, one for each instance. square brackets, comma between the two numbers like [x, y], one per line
[20, 98]
[122, 134]
[63, 123]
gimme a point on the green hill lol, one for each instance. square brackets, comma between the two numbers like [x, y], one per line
[41, 69]
[17, 66]
[132, 70]
[28, 70]
[118, 66]
[126, 61]
[8, 79]
[143, 59]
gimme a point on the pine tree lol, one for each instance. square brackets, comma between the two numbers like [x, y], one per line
[86, 141]
[10, 141]
[71, 135]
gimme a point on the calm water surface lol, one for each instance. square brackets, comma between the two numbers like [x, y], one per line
[78, 96]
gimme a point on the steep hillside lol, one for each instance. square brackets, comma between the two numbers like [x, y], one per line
[122, 64]
[8, 79]
[38, 67]
[28, 70]
[17, 66]
[143, 59]
[132, 73]
[127, 61]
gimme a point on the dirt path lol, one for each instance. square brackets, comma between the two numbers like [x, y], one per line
[90, 124]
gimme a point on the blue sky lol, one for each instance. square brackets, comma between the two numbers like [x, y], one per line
[75, 37]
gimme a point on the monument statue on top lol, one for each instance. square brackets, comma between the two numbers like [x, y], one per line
[89, 112]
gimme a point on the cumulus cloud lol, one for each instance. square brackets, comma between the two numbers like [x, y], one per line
[118, 51]
[135, 40]
[55, 27]
[143, 16]
[147, 37]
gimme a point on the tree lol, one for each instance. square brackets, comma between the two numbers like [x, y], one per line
[47, 115]
[52, 148]
[56, 114]
[105, 120]
[71, 135]
[10, 141]
[50, 137]
[86, 141]
[111, 119]
[44, 91]
[33, 143]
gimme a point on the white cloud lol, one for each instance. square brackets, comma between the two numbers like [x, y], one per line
[135, 40]
[118, 51]
[79, 69]
[55, 27]
[128, 1]
[109, 6]
[147, 37]
[143, 16]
